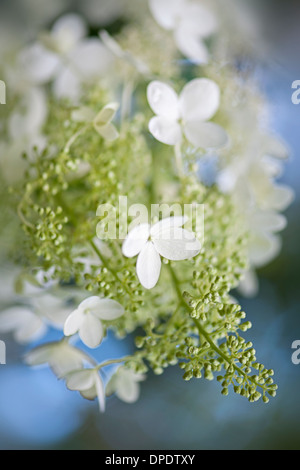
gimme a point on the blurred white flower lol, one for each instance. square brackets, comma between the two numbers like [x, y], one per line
[25, 325]
[191, 23]
[125, 384]
[166, 238]
[87, 319]
[101, 122]
[89, 383]
[249, 284]
[25, 126]
[188, 113]
[60, 355]
[65, 56]
[29, 323]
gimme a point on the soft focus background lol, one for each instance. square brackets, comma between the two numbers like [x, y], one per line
[36, 411]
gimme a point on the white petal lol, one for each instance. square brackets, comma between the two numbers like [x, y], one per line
[279, 197]
[91, 331]
[136, 240]
[205, 134]
[109, 309]
[199, 100]
[128, 391]
[163, 100]
[90, 303]
[31, 331]
[167, 12]
[148, 266]
[14, 317]
[38, 64]
[73, 322]
[80, 380]
[249, 285]
[274, 147]
[263, 248]
[167, 223]
[268, 221]
[68, 30]
[90, 59]
[39, 355]
[67, 85]
[66, 358]
[108, 132]
[89, 394]
[199, 20]
[191, 45]
[177, 244]
[106, 114]
[165, 131]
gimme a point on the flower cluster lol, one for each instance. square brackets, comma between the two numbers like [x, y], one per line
[90, 120]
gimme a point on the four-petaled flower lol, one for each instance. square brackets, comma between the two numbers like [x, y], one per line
[61, 356]
[87, 319]
[188, 113]
[191, 23]
[166, 238]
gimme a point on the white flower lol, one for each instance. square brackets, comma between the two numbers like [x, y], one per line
[101, 122]
[86, 319]
[191, 23]
[25, 325]
[29, 323]
[125, 384]
[88, 382]
[61, 357]
[165, 238]
[66, 57]
[188, 113]
[264, 243]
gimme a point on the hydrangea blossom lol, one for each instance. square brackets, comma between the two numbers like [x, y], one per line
[166, 238]
[87, 319]
[191, 23]
[187, 114]
[29, 323]
[65, 56]
[60, 356]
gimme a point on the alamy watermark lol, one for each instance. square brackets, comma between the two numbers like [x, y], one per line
[296, 93]
[2, 92]
[296, 354]
[2, 353]
[114, 224]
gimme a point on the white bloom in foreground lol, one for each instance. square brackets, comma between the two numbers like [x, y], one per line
[191, 23]
[187, 113]
[101, 122]
[61, 357]
[88, 382]
[166, 238]
[23, 323]
[87, 319]
[125, 384]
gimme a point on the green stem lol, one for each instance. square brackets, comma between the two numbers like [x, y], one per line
[112, 361]
[108, 267]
